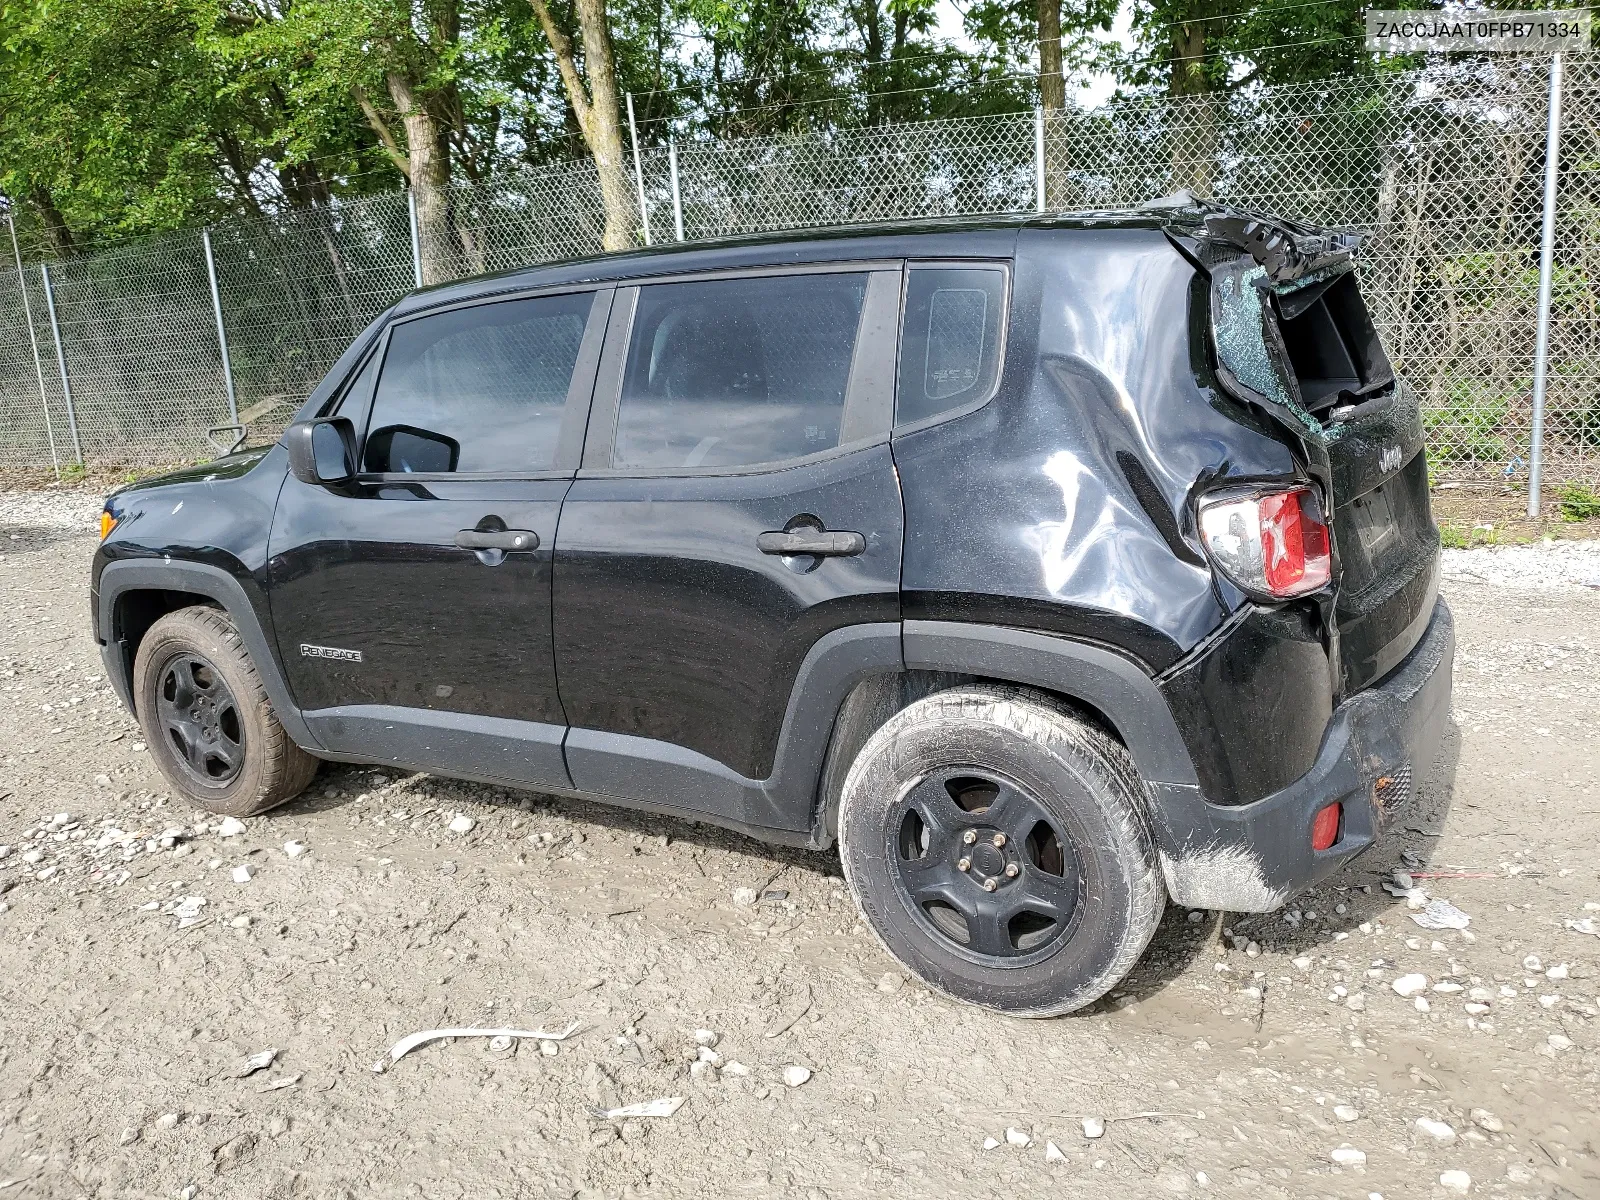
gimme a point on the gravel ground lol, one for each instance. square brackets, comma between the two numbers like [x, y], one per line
[1287, 1055]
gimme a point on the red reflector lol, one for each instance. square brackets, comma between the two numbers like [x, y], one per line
[1325, 829]
[1294, 545]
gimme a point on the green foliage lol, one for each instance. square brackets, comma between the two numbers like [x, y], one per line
[1578, 502]
[1467, 427]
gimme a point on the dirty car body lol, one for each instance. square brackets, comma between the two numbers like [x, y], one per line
[709, 631]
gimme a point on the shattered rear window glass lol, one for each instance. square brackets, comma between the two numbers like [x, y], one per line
[1238, 317]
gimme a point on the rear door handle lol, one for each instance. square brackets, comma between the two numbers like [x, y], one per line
[821, 542]
[497, 539]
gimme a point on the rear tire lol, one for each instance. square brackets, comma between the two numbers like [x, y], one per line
[207, 719]
[997, 845]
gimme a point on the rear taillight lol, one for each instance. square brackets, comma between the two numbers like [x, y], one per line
[1273, 543]
[1325, 827]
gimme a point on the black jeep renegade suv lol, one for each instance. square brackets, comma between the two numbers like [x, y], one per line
[1055, 566]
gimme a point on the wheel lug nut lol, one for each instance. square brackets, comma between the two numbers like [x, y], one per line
[989, 885]
[999, 840]
[1011, 870]
[963, 864]
[970, 836]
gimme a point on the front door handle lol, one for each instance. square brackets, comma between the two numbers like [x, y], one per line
[821, 542]
[497, 539]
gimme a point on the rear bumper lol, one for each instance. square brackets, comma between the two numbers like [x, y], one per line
[1254, 857]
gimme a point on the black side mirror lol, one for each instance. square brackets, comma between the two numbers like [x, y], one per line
[322, 452]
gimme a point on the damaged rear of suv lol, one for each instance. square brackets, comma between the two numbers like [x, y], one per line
[1051, 566]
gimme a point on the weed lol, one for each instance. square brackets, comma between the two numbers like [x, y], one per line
[1578, 502]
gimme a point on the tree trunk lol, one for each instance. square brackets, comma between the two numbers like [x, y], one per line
[1192, 111]
[598, 110]
[428, 157]
[51, 221]
[1052, 87]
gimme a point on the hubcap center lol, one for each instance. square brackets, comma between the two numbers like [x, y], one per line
[987, 861]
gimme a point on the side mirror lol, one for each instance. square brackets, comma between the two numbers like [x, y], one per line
[322, 452]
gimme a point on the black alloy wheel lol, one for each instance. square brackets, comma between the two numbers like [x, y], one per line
[987, 866]
[200, 719]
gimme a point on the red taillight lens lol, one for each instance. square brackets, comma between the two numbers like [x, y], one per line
[1325, 828]
[1272, 542]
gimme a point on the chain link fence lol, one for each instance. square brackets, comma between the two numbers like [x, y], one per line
[1440, 170]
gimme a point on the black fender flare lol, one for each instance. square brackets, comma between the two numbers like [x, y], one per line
[202, 579]
[1111, 683]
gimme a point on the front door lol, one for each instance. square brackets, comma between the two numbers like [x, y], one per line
[412, 607]
[737, 504]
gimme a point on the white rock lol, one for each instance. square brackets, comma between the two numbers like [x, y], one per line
[706, 1037]
[548, 1048]
[1346, 1113]
[167, 1121]
[1456, 1181]
[189, 907]
[1093, 1127]
[1410, 985]
[1445, 988]
[1421, 1003]
[1476, 1008]
[294, 849]
[1302, 963]
[240, 922]
[990, 1143]
[462, 824]
[1436, 1129]
[1052, 1153]
[230, 827]
[1559, 1041]
[241, 874]
[1348, 1156]
[794, 1076]
[1559, 971]
[1484, 1119]
[32, 856]
[744, 897]
[700, 1069]
[1017, 1137]
[1533, 963]
[1549, 1001]
[707, 1055]
[735, 1068]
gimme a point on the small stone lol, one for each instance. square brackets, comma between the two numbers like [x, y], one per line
[706, 1037]
[1559, 1041]
[1302, 963]
[700, 1069]
[1094, 1127]
[1410, 985]
[794, 1076]
[1421, 1003]
[1253, 949]
[1533, 963]
[1519, 1173]
[240, 922]
[1437, 1130]
[167, 1121]
[230, 827]
[1052, 1153]
[128, 1136]
[1348, 1156]
[707, 1055]
[1017, 1137]
[548, 1048]
[189, 1192]
[1484, 1119]
[294, 849]
[736, 1068]
[990, 1143]
[1346, 1113]
[1456, 1181]
[890, 982]
[1559, 971]
[241, 874]
[462, 824]
[744, 897]
[103, 781]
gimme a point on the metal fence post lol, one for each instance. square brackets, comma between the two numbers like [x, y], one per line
[1547, 253]
[222, 332]
[677, 197]
[1038, 159]
[638, 172]
[416, 237]
[61, 359]
[33, 342]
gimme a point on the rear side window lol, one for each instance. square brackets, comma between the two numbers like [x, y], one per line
[950, 349]
[736, 372]
[477, 389]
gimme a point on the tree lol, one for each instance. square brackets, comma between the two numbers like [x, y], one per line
[595, 106]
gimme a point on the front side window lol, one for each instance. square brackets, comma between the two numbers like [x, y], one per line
[477, 389]
[737, 372]
[950, 350]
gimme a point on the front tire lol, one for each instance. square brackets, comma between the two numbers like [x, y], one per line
[996, 843]
[207, 719]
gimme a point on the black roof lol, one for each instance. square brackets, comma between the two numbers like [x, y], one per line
[958, 237]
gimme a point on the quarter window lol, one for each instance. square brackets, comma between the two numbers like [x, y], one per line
[950, 351]
[735, 372]
[477, 389]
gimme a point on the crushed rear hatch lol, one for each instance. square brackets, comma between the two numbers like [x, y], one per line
[1293, 337]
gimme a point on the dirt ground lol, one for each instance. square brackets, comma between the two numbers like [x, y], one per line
[1253, 1065]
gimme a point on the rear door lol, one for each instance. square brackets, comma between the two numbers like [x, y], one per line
[737, 503]
[413, 606]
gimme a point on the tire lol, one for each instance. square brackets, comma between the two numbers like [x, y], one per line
[917, 823]
[207, 719]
